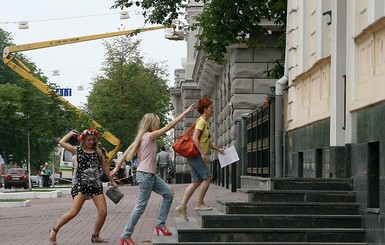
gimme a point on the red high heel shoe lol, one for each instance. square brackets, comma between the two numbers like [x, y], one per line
[127, 241]
[163, 229]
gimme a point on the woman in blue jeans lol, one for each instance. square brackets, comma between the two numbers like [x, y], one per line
[145, 147]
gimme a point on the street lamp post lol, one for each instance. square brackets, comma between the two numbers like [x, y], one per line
[29, 159]
[23, 115]
[53, 164]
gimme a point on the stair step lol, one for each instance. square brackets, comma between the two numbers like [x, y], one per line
[190, 231]
[280, 221]
[311, 184]
[291, 211]
[256, 243]
[322, 208]
[296, 196]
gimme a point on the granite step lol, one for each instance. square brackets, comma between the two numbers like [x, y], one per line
[321, 208]
[311, 184]
[288, 211]
[289, 196]
[280, 221]
[191, 231]
[166, 242]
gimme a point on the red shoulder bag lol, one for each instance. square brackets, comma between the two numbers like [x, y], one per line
[185, 146]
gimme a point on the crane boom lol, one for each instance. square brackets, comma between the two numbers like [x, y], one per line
[20, 68]
[46, 44]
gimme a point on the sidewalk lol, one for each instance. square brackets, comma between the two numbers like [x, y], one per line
[30, 225]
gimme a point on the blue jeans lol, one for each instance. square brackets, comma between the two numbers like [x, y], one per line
[147, 183]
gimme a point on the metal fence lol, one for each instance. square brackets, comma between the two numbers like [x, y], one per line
[255, 147]
[258, 141]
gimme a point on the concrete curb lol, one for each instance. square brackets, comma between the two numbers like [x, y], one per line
[15, 204]
[29, 195]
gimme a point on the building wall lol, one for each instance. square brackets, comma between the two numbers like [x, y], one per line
[236, 87]
[368, 169]
[309, 68]
[335, 101]
[368, 86]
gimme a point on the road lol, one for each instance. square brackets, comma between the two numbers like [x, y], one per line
[30, 225]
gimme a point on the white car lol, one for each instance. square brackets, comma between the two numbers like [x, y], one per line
[34, 181]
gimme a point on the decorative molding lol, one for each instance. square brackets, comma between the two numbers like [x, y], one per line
[207, 78]
[198, 66]
[370, 30]
[317, 65]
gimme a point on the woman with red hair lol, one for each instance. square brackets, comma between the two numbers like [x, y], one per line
[86, 183]
[201, 175]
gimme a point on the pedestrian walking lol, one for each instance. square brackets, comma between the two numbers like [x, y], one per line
[201, 175]
[40, 176]
[46, 174]
[145, 146]
[163, 159]
[86, 183]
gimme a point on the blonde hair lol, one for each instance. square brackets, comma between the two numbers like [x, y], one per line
[149, 123]
[94, 147]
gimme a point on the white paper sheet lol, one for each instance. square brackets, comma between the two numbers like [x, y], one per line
[229, 157]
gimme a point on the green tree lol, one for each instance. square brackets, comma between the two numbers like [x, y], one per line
[25, 109]
[23, 112]
[223, 22]
[127, 89]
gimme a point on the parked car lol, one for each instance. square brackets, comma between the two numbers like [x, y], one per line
[17, 177]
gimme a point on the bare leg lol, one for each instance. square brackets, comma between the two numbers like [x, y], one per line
[189, 192]
[101, 205]
[76, 205]
[204, 187]
[186, 197]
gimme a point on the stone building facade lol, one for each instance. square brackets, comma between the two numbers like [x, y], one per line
[335, 100]
[237, 87]
[332, 93]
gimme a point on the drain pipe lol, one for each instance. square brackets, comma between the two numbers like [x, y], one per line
[279, 86]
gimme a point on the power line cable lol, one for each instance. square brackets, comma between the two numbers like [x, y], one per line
[72, 17]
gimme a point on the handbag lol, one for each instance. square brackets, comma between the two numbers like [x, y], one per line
[114, 194]
[185, 146]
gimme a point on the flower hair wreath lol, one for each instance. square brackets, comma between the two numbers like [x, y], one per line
[89, 131]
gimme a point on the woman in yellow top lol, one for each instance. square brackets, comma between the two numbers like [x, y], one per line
[201, 175]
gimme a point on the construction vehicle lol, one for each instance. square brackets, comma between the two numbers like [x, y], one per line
[173, 33]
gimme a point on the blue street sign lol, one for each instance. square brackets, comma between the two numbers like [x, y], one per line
[64, 91]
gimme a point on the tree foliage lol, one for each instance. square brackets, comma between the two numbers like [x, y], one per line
[25, 109]
[222, 22]
[127, 89]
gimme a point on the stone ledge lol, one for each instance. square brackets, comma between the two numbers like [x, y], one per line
[255, 183]
[26, 203]
[32, 194]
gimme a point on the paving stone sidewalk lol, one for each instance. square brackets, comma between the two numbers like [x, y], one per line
[30, 225]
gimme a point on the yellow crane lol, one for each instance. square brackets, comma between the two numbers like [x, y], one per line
[174, 33]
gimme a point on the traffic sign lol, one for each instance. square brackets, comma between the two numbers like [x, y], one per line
[64, 91]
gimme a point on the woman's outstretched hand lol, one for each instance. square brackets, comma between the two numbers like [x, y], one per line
[190, 108]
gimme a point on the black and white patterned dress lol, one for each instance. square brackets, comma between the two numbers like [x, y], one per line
[87, 177]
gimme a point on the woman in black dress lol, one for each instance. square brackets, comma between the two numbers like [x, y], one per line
[86, 183]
